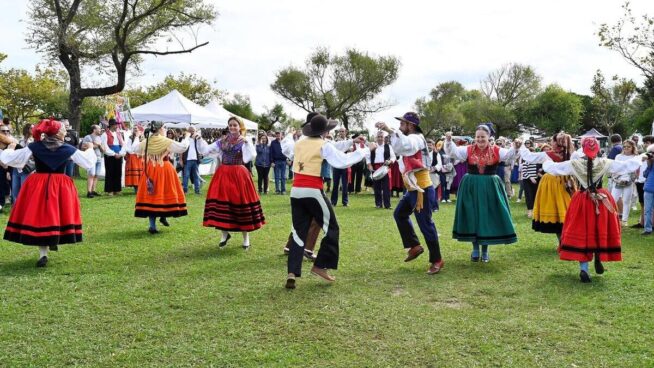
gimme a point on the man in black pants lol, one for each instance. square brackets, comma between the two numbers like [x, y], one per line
[308, 201]
[383, 155]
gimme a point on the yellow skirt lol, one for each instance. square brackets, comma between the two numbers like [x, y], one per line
[551, 204]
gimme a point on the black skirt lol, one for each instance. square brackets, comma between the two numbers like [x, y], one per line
[113, 171]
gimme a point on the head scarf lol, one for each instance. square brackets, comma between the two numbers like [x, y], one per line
[48, 127]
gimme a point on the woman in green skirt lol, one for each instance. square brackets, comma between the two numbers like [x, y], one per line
[482, 213]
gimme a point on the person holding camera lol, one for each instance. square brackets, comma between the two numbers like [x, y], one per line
[190, 161]
[159, 191]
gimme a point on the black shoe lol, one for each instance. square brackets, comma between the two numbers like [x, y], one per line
[42, 262]
[223, 243]
[89, 195]
[599, 267]
[290, 284]
[95, 194]
[54, 248]
[246, 247]
[474, 258]
[645, 233]
[153, 231]
[637, 226]
[345, 205]
[583, 275]
[164, 221]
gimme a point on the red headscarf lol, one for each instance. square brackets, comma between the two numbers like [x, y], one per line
[48, 127]
[590, 146]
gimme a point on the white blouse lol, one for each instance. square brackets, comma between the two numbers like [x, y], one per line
[18, 158]
[461, 153]
[175, 147]
[249, 150]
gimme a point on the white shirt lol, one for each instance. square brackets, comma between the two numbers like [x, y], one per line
[379, 155]
[105, 147]
[249, 150]
[461, 153]
[406, 145]
[18, 158]
[333, 152]
[192, 154]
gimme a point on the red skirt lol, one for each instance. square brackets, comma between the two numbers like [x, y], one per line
[586, 233]
[167, 200]
[232, 202]
[395, 178]
[46, 212]
[133, 170]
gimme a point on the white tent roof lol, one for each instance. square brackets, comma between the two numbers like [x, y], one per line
[215, 107]
[175, 108]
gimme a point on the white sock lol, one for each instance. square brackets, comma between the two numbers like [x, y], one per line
[43, 251]
[246, 239]
[225, 234]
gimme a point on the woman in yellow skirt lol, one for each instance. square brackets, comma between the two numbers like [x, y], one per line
[160, 192]
[554, 192]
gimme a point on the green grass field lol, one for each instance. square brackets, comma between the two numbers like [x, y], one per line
[126, 298]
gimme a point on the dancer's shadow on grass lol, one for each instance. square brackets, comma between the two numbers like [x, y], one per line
[20, 267]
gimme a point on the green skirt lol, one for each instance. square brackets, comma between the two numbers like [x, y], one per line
[482, 211]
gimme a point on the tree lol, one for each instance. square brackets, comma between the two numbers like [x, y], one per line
[110, 36]
[633, 38]
[611, 104]
[341, 87]
[26, 96]
[240, 105]
[555, 109]
[511, 85]
[441, 112]
[277, 117]
[192, 86]
[481, 109]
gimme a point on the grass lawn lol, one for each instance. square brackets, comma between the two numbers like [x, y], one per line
[126, 298]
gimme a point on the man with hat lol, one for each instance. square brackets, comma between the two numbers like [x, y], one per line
[419, 198]
[308, 201]
[114, 150]
[382, 155]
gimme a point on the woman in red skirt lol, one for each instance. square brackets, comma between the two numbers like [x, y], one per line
[232, 202]
[159, 193]
[47, 210]
[591, 228]
[134, 166]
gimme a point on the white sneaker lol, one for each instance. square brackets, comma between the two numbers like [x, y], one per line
[517, 200]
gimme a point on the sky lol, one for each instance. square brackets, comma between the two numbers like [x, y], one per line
[436, 41]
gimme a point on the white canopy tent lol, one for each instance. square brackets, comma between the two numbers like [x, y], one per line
[176, 111]
[215, 107]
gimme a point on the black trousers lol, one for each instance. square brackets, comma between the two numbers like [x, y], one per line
[309, 204]
[382, 192]
[113, 173]
[530, 192]
[263, 178]
[357, 177]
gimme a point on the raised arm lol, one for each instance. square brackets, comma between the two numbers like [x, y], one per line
[532, 157]
[15, 157]
[457, 153]
[626, 166]
[557, 168]
[85, 159]
[249, 151]
[341, 160]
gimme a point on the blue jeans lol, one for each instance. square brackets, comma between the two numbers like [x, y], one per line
[402, 215]
[647, 210]
[280, 176]
[70, 168]
[17, 180]
[191, 169]
[445, 193]
[340, 178]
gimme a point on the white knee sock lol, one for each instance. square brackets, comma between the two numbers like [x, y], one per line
[246, 239]
[224, 237]
[43, 251]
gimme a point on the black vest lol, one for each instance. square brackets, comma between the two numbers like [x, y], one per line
[387, 153]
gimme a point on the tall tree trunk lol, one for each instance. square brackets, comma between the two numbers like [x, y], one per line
[76, 97]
